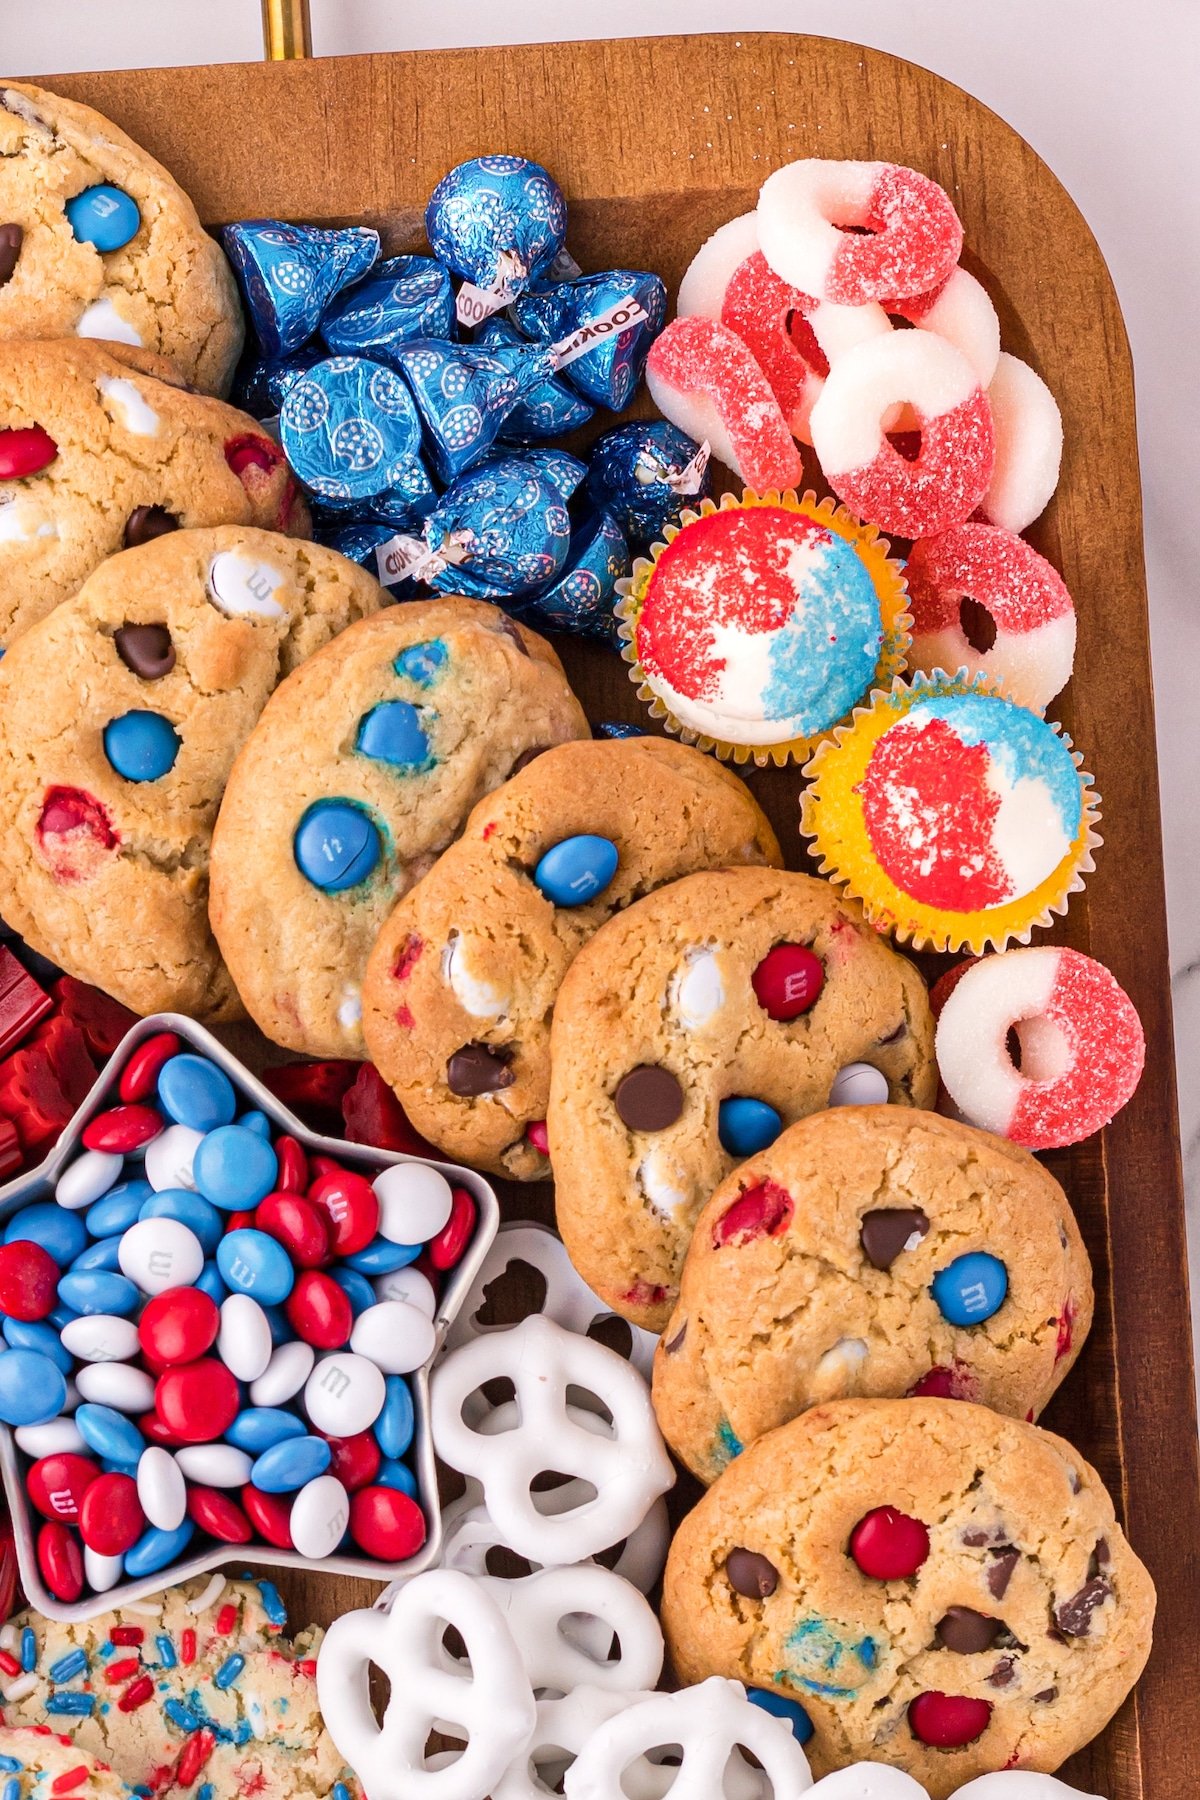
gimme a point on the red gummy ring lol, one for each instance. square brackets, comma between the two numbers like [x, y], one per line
[704, 380]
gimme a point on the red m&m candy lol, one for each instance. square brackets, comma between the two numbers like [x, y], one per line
[303, 1229]
[111, 1519]
[122, 1129]
[198, 1401]
[319, 1311]
[57, 1484]
[351, 1203]
[139, 1077]
[293, 1166]
[386, 1523]
[178, 1326]
[788, 980]
[25, 450]
[948, 1721]
[448, 1247]
[889, 1545]
[60, 1561]
[220, 1516]
[28, 1281]
[270, 1515]
[155, 1432]
[355, 1459]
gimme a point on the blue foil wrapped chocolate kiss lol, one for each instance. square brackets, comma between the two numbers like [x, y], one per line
[351, 432]
[404, 298]
[550, 411]
[288, 274]
[496, 219]
[504, 527]
[581, 597]
[642, 472]
[464, 393]
[611, 369]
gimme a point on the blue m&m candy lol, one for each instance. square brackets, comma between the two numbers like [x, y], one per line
[234, 1169]
[60, 1233]
[286, 1466]
[193, 1091]
[255, 1121]
[259, 1428]
[105, 1253]
[357, 1289]
[119, 1209]
[971, 1288]
[336, 845]
[381, 1256]
[155, 1549]
[395, 1424]
[209, 1282]
[253, 1263]
[104, 217]
[141, 746]
[394, 1474]
[33, 1389]
[574, 871]
[392, 732]
[745, 1125]
[23, 1334]
[98, 1291]
[790, 1711]
[193, 1210]
[109, 1433]
[422, 663]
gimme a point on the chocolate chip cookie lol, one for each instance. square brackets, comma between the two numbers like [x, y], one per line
[463, 982]
[360, 772]
[940, 1588]
[687, 1034]
[100, 449]
[872, 1250]
[98, 241]
[120, 716]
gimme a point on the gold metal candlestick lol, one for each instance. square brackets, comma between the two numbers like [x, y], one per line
[287, 33]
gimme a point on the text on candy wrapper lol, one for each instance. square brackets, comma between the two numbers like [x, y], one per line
[618, 317]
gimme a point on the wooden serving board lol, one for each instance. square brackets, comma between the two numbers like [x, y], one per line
[656, 143]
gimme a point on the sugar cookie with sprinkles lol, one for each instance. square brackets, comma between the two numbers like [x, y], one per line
[195, 1691]
[120, 716]
[875, 1251]
[39, 1764]
[361, 770]
[688, 1033]
[941, 1589]
[958, 818]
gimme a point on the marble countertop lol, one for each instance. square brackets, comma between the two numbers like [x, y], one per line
[1110, 108]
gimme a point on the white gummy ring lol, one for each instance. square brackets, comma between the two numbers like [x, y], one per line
[961, 312]
[625, 1472]
[1029, 442]
[489, 1703]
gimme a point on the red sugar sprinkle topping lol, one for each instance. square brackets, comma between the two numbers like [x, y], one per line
[69, 1779]
[930, 814]
[912, 242]
[193, 1756]
[1104, 1035]
[700, 356]
[407, 957]
[9, 1663]
[490, 828]
[762, 309]
[187, 1646]
[127, 1634]
[136, 1695]
[940, 487]
[226, 1620]
[118, 1672]
[762, 1211]
[1006, 575]
[306, 1665]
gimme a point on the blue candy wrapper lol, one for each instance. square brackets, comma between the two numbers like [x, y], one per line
[351, 432]
[617, 728]
[550, 411]
[610, 370]
[360, 542]
[404, 298]
[496, 220]
[504, 527]
[581, 596]
[261, 382]
[289, 273]
[646, 473]
[464, 393]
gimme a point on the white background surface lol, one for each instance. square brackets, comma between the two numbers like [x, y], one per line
[1105, 90]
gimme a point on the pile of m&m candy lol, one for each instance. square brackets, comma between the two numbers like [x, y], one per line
[208, 1331]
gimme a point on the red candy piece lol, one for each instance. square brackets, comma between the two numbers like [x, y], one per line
[706, 381]
[194, 1755]
[386, 1524]
[788, 981]
[249, 452]
[28, 1282]
[60, 1561]
[319, 1311]
[8, 1580]
[957, 1383]
[353, 1205]
[214, 1512]
[239, 1221]
[355, 1459]
[312, 1088]
[762, 1211]
[102, 1021]
[270, 1515]
[769, 316]
[178, 1326]
[111, 1519]
[1066, 1330]
[448, 1247]
[198, 1401]
[153, 1429]
[303, 1229]
[122, 1129]
[293, 1166]
[57, 1484]
[74, 834]
[888, 1545]
[12, 1156]
[25, 450]
[948, 1721]
[22, 1002]
[139, 1077]
[43, 1082]
[372, 1114]
[539, 1137]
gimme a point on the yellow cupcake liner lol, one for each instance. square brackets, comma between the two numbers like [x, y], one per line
[887, 577]
[831, 815]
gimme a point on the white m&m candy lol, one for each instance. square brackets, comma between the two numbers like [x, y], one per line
[284, 1375]
[169, 1158]
[87, 1178]
[414, 1202]
[393, 1335]
[157, 1254]
[116, 1384]
[319, 1516]
[100, 1337]
[244, 1342]
[161, 1488]
[344, 1394]
[242, 587]
[215, 1465]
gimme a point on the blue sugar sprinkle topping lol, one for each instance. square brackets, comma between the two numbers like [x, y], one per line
[340, 1791]
[12, 1788]
[272, 1605]
[107, 1649]
[181, 1715]
[205, 1792]
[69, 1666]
[166, 1651]
[71, 1703]
[9, 1765]
[229, 1671]
[105, 1706]
[28, 1649]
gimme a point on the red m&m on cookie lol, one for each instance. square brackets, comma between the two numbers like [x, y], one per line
[788, 981]
[889, 1545]
[948, 1721]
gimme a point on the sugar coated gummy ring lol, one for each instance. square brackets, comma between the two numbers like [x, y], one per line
[956, 450]
[1030, 616]
[857, 231]
[1081, 1040]
[703, 379]
[960, 311]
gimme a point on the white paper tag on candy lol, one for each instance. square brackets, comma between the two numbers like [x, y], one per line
[691, 475]
[614, 319]
[475, 304]
[564, 267]
[397, 557]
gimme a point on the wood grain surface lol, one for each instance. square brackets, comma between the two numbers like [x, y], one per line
[656, 143]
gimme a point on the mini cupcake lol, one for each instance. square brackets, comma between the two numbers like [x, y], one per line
[762, 622]
[957, 817]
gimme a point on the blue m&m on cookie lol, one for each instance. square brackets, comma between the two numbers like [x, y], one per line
[746, 1126]
[971, 1288]
[574, 871]
[103, 216]
[422, 663]
[790, 1711]
[141, 746]
[393, 732]
[336, 845]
